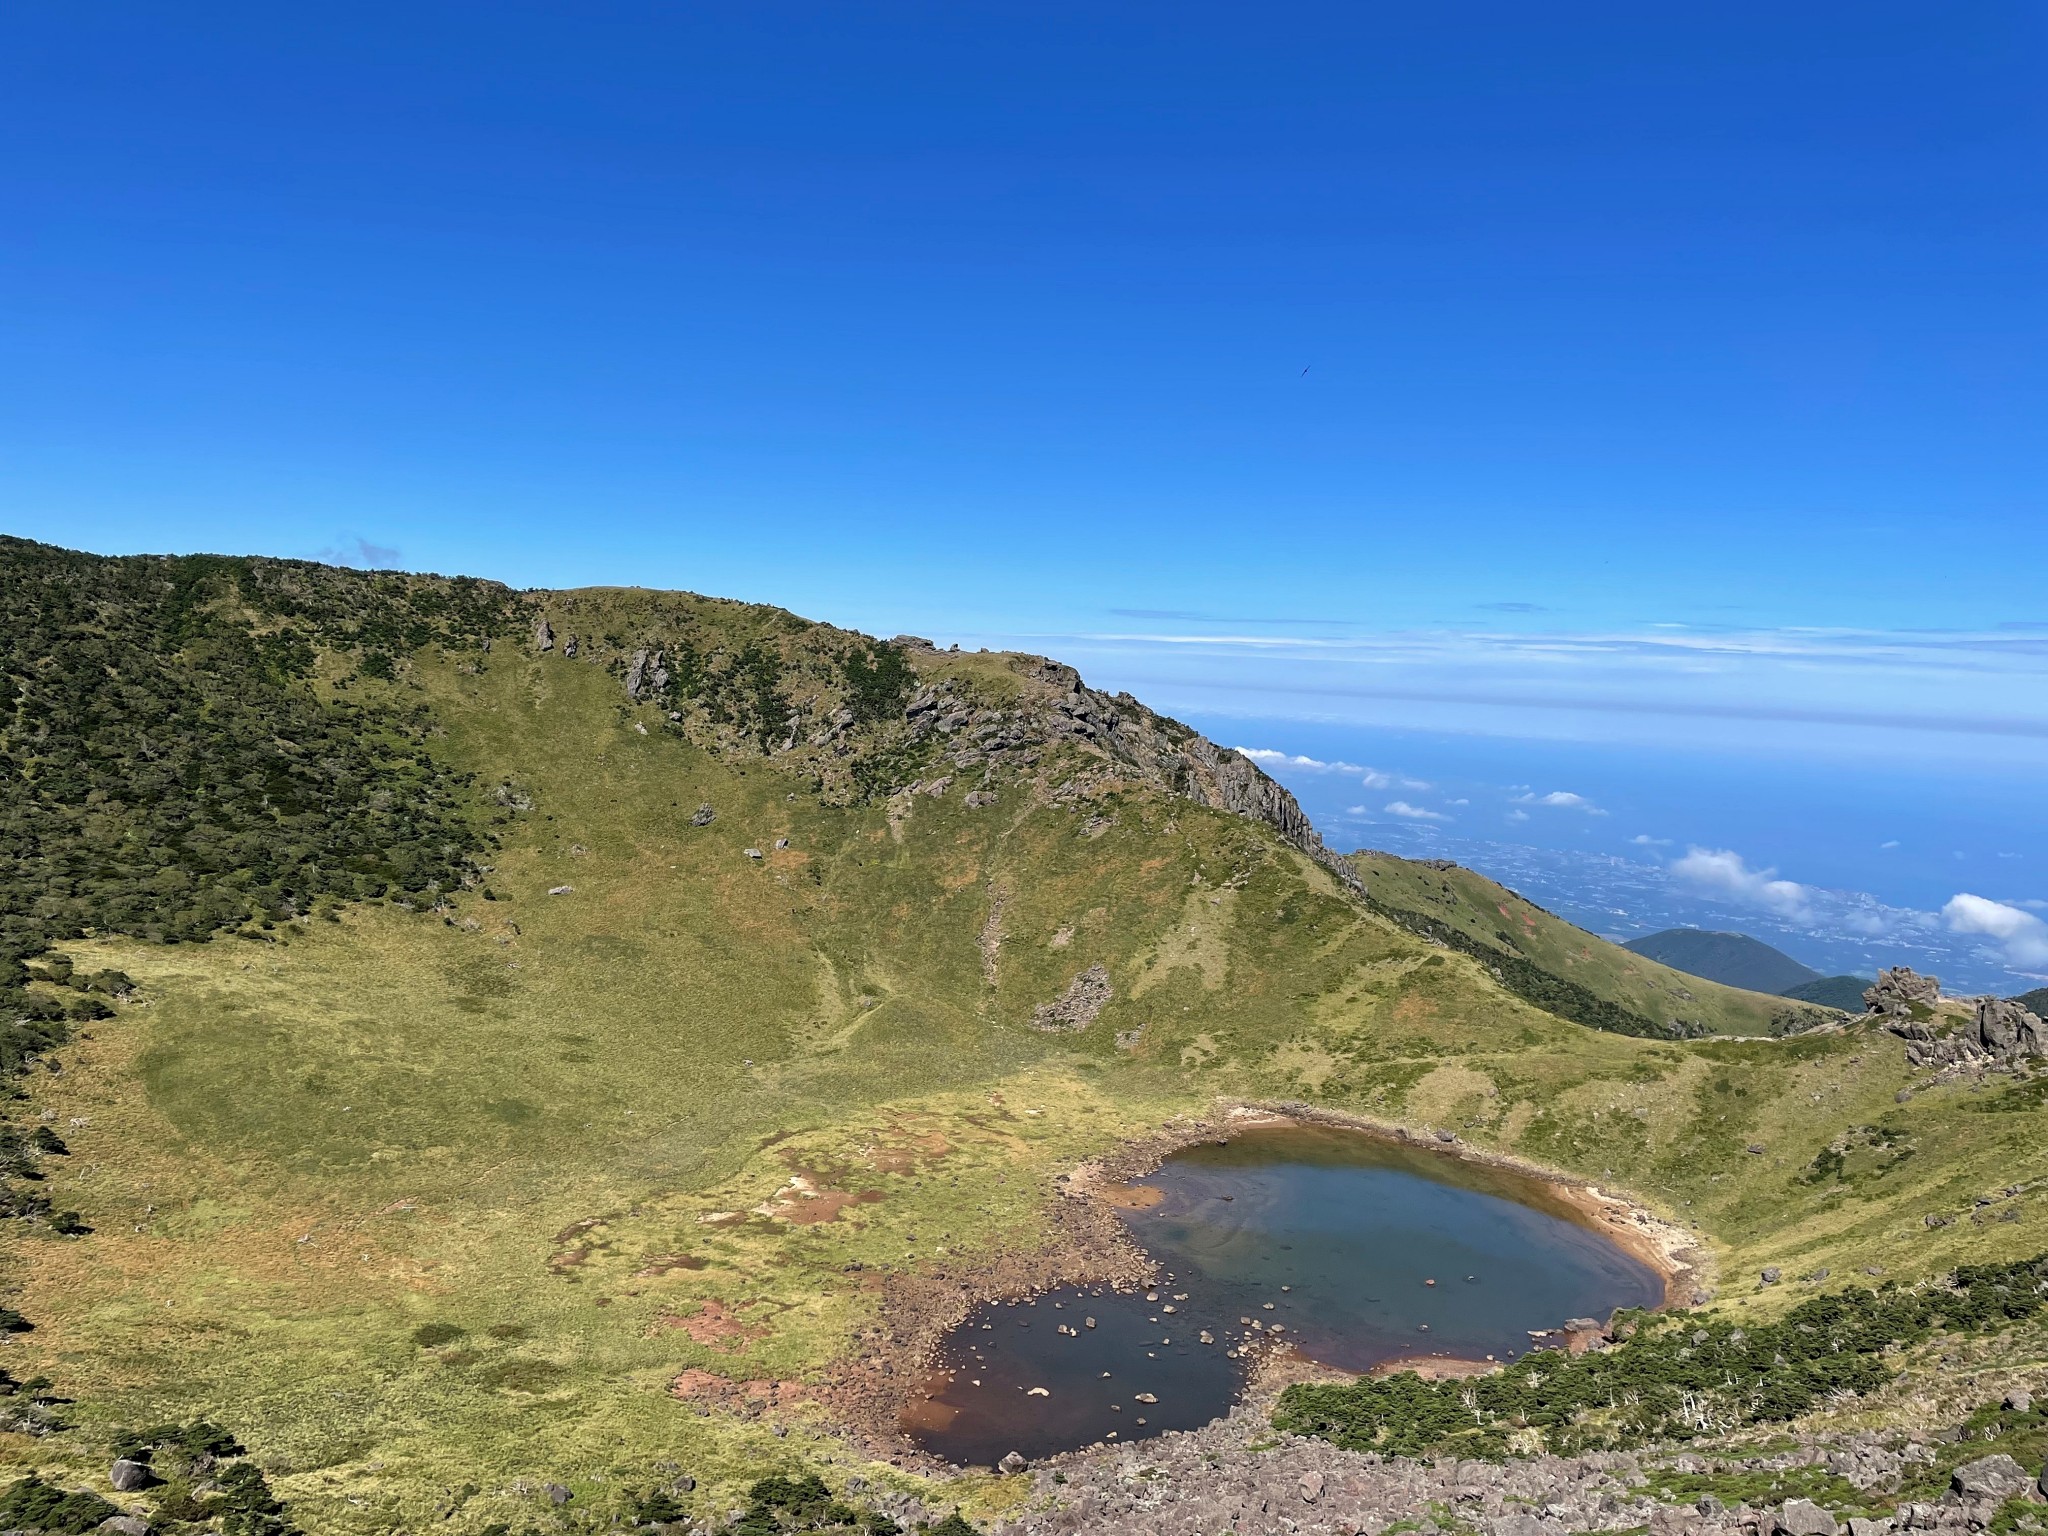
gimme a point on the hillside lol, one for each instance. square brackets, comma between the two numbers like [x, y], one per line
[1843, 992]
[1732, 959]
[1562, 967]
[620, 1005]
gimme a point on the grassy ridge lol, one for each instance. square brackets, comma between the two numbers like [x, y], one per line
[505, 1122]
[1488, 915]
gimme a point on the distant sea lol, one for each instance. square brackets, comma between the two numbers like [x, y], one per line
[1844, 862]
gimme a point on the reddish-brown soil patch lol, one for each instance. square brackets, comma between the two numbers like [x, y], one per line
[712, 1324]
[1131, 1197]
[825, 1205]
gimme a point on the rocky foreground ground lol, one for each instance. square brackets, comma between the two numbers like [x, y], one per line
[1237, 1476]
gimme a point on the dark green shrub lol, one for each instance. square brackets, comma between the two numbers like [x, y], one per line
[34, 1505]
[1675, 1377]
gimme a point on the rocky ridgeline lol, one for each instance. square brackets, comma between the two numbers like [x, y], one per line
[2001, 1033]
[1119, 739]
[1212, 1479]
[1075, 743]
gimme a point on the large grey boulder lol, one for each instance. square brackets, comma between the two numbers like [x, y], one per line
[124, 1525]
[1012, 1463]
[127, 1476]
[1990, 1477]
[1803, 1517]
[543, 636]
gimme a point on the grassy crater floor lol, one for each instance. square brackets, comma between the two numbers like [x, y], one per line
[432, 1208]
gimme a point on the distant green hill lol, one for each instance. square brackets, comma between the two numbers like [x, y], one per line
[1733, 959]
[2036, 1000]
[1843, 992]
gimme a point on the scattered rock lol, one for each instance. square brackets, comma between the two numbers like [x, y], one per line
[1803, 1517]
[1864, 1525]
[1084, 998]
[2018, 1401]
[1012, 1464]
[124, 1525]
[543, 636]
[977, 798]
[561, 890]
[753, 853]
[1990, 1477]
[1771, 1275]
[703, 816]
[557, 1494]
[1311, 1486]
[126, 1476]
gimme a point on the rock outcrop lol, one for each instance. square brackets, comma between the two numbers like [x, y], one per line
[1162, 751]
[2001, 1034]
[1085, 997]
[1902, 993]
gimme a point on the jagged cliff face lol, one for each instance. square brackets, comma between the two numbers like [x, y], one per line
[1168, 755]
[866, 719]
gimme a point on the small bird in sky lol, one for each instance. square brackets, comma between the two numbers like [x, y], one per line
[1304, 372]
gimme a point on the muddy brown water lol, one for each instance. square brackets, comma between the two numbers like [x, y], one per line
[1326, 1237]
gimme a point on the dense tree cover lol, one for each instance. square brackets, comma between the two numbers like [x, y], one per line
[1673, 1378]
[168, 769]
[1530, 982]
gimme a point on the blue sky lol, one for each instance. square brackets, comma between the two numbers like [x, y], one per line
[1657, 387]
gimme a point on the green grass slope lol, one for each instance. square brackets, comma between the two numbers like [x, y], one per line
[1492, 921]
[436, 1195]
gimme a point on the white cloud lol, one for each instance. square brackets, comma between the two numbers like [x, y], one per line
[1376, 779]
[1563, 799]
[1461, 801]
[1518, 815]
[1644, 840]
[2022, 936]
[1414, 812]
[1266, 757]
[1726, 873]
[1892, 843]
